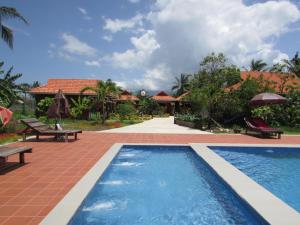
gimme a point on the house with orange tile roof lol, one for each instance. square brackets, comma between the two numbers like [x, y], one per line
[166, 101]
[280, 82]
[127, 96]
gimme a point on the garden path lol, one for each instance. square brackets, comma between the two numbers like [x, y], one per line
[157, 126]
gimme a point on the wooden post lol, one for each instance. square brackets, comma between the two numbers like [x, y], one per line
[66, 138]
[22, 158]
[24, 136]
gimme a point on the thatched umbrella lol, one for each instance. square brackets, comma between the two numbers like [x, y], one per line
[60, 108]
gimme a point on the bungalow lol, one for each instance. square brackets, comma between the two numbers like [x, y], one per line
[280, 82]
[70, 87]
[165, 100]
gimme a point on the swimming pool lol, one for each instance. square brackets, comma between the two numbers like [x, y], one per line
[275, 168]
[161, 185]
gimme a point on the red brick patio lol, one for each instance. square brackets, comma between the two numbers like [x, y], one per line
[28, 193]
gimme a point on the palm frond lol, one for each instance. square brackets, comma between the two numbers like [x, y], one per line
[9, 12]
[7, 35]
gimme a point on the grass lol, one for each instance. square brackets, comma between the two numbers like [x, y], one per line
[291, 130]
[8, 138]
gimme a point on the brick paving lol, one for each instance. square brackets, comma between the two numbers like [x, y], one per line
[29, 192]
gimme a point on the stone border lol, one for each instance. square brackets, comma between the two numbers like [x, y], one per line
[268, 206]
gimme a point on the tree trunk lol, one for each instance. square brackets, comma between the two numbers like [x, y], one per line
[103, 112]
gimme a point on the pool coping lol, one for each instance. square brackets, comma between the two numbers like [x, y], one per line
[268, 206]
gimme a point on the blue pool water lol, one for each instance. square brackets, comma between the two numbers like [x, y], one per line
[276, 169]
[161, 185]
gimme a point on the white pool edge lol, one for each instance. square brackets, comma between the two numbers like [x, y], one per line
[268, 206]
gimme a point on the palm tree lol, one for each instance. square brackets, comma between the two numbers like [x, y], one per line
[6, 32]
[9, 90]
[293, 65]
[181, 85]
[258, 65]
[104, 91]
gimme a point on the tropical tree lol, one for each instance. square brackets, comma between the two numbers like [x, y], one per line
[6, 32]
[293, 65]
[181, 85]
[207, 86]
[258, 65]
[9, 90]
[103, 91]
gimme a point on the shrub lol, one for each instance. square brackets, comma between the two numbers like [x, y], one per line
[79, 107]
[126, 110]
[43, 105]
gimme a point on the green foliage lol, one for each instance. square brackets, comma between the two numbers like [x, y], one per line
[80, 107]
[126, 110]
[207, 86]
[104, 91]
[9, 90]
[186, 117]
[43, 105]
[181, 84]
[258, 65]
[264, 112]
[148, 106]
[293, 65]
[6, 32]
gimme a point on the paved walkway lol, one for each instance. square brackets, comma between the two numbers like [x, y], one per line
[156, 126]
[28, 193]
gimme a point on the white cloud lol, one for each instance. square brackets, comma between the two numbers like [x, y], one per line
[84, 13]
[107, 38]
[144, 46]
[188, 30]
[92, 63]
[118, 24]
[74, 46]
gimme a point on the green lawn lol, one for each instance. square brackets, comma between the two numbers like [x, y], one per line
[291, 130]
[8, 138]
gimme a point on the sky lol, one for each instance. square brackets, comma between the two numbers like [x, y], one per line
[145, 44]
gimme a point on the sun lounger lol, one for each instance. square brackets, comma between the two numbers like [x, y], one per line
[35, 127]
[6, 151]
[260, 126]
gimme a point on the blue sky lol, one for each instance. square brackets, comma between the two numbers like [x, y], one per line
[145, 43]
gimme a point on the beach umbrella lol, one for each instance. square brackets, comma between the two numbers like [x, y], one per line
[60, 108]
[267, 99]
[5, 115]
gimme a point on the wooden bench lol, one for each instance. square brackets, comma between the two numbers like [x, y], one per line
[6, 151]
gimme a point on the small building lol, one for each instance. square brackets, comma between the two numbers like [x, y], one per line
[70, 87]
[126, 96]
[165, 100]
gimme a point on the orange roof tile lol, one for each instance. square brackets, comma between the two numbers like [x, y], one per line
[68, 86]
[270, 76]
[181, 97]
[163, 97]
[127, 96]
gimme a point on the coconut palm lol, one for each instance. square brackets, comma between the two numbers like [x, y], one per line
[6, 32]
[258, 65]
[293, 65]
[181, 84]
[104, 91]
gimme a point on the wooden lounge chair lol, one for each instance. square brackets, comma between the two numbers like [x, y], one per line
[6, 151]
[260, 126]
[35, 127]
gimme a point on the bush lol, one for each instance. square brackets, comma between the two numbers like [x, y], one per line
[43, 105]
[126, 110]
[80, 107]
